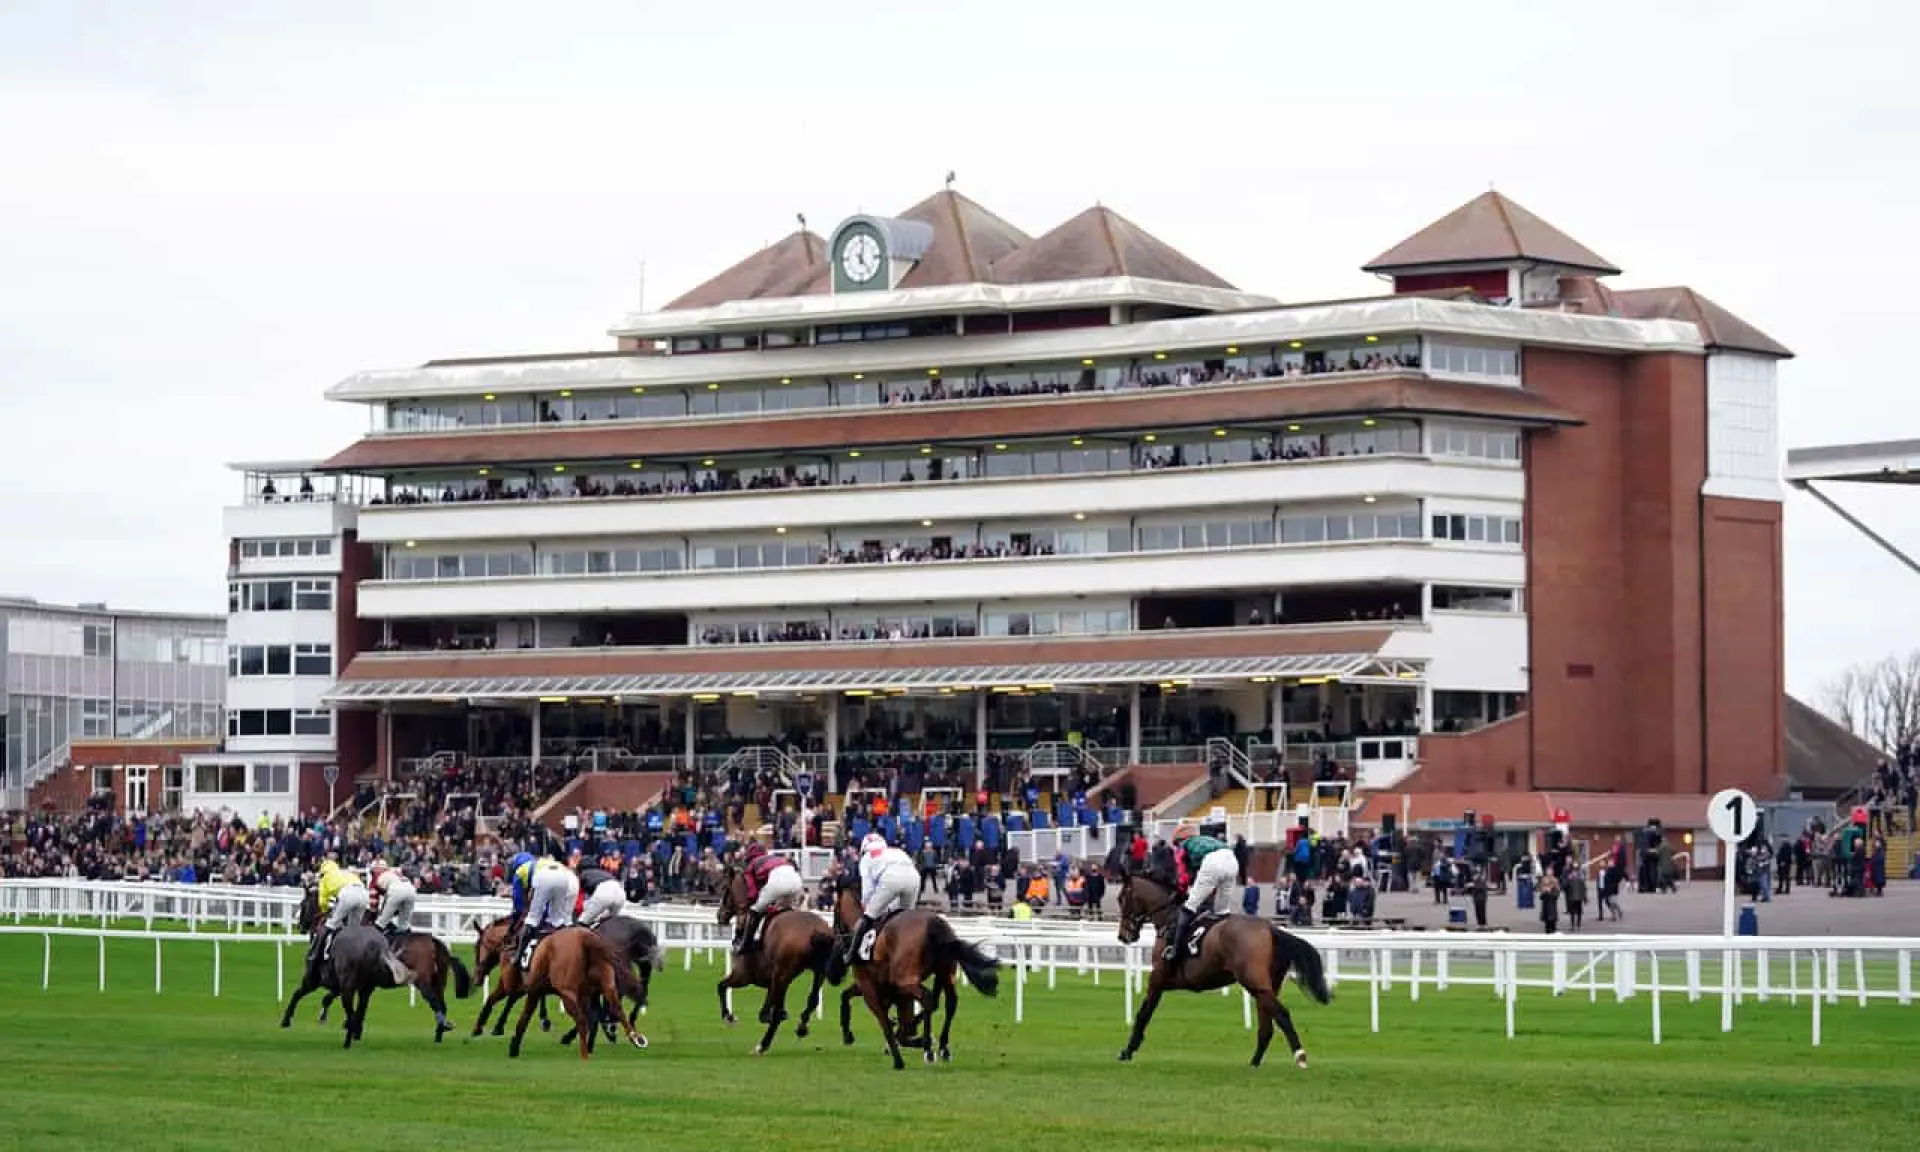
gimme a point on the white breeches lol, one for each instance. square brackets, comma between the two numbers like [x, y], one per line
[350, 907]
[1216, 877]
[608, 899]
[554, 892]
[396, 907]
[897, 887]
[783, 887]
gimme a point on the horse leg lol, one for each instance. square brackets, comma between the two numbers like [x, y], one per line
[775, 1011]
[582, 1026]
[299, 994]
[326, 1005]
[877, 1004]
[610, 993]
[434, 993]
[1284, 1018]
[949, 992]
[1264, 1002]
[736, 978]
[511, 998]
[922, 999]
[811, 1008]
[520, 1029]
[846, 1011]
[496, 995]
[1143, 1017]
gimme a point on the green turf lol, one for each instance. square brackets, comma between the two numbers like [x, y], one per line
[129, 1069]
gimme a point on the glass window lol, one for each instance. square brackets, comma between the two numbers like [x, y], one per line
[313, 660]
[312, 722]
[279, 660]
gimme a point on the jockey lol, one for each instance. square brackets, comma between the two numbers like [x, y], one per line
[342, 900]
[520, 876]
[772, 881]
[1211, 864]
[396, 894]
[607, 897]
[888, 883]
[553, 888]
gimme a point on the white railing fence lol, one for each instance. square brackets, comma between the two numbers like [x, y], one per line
[1823, 970]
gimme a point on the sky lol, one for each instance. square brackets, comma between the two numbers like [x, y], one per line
[211, 211]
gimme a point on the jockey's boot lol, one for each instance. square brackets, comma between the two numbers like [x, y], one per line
[859, 933]
[313, 956]
[1181, 929]
[749, 935]
[524, 944]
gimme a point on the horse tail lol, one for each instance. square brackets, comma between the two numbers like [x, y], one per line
[653, 955]
[983, 971]
[462, 979]
[820, 951]
[1309, 968]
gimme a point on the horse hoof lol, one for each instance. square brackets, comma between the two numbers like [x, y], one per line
[1300, 1060]
[729, 1019]
[1126, 1055]
[801, 1031]
[946, 1054]
[928, 1056]
[756, 1050]
[546, 1025]
[846, 1038]
[639, 1041]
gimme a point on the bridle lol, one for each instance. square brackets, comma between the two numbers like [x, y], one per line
[1130, 921]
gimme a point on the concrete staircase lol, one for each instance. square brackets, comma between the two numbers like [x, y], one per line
[1901, 850]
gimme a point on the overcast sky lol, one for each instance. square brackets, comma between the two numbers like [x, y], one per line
[212, 211]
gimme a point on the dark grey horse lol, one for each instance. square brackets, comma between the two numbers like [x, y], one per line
[358, 962]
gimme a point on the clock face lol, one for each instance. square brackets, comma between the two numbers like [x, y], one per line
[860, 258]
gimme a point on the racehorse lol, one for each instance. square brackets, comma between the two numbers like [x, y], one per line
[791, 942]
[634, 940]
[431, 962]
[580, 967]
[896, 959]
[1221, 950]
[357, 962]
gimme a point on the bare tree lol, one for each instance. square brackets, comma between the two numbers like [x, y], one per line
[1878, 702]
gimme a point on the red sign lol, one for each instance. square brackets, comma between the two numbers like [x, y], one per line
[1560, 816]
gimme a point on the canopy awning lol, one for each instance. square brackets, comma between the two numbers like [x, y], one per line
[1356, 667]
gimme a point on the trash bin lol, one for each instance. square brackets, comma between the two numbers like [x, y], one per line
[1457, 915]
[1523, 893]
[1749, 924]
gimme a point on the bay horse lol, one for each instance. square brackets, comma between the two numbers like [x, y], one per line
[893, 966]
[634, 941]
[580, 967]
[1220, 951]
[791, 942]
[357, 963]
[431, 962]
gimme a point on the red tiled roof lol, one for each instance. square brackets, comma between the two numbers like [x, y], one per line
[796, 266]
[1719, 328]
[967, 240]
[1489, 228]
[1100, 243]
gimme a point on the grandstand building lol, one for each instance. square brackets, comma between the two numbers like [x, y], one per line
[929, 482]
[103, 702]
[293, 565]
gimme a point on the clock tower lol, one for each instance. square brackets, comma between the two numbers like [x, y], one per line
[872, 253]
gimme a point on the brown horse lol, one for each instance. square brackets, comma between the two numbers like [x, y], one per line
[791, 942]
[1220, 951]
[893, 966]
[629, 937]
[579, 967]
[431, 962]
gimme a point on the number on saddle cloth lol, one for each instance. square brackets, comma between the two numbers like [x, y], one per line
[1199, 935]
[867, 941]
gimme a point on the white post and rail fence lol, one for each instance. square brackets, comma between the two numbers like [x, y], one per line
[1819, 972]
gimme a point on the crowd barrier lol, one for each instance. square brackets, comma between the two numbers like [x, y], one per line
[1824, 970]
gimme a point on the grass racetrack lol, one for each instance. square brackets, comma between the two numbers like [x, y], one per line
[131, 1069]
